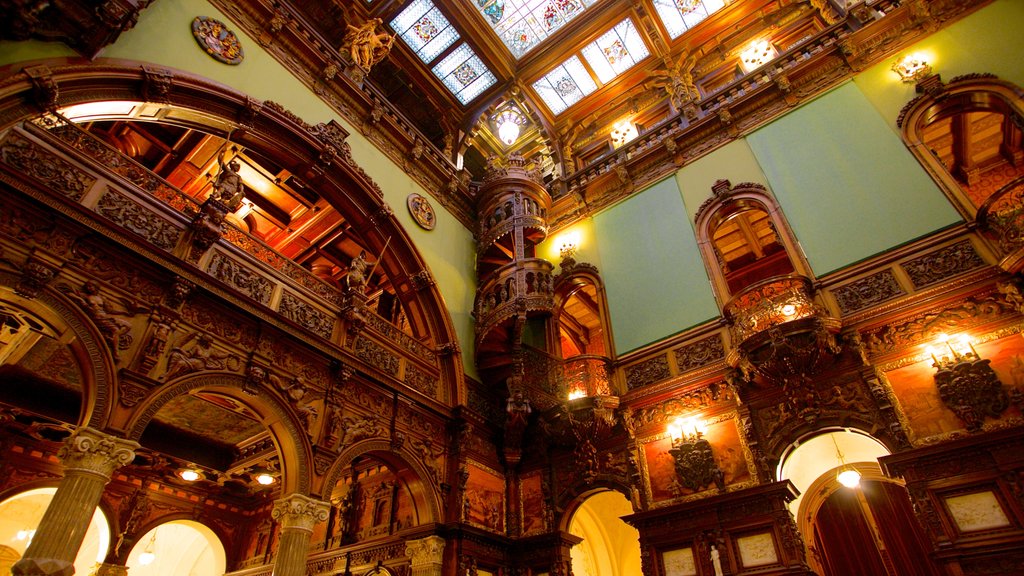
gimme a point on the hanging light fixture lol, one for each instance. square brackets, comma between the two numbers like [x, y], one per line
[264, 479]
[148, 556]
[847, 475]
[508, 121]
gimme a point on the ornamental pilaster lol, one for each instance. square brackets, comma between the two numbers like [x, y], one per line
[427, 555]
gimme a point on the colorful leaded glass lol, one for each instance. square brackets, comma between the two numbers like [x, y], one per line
[678, 16]
[616, 51]
[522, 24]
[464, 74]
[425, 29]
[565, 85]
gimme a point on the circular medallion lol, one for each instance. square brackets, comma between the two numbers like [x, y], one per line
[421, 210]
[217, 40]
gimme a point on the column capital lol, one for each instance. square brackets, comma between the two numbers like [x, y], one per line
[93, 452]
[425, 551]
[300, 512]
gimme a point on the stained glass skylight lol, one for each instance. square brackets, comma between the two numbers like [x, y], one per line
[422, 26]
[564, 86]
[464, 74]
[678, 16]
[522, 24]
[616, 51]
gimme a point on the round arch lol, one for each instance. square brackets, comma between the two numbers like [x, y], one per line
[425, 494]
[286, 430]
[319, 153]
[573, 280]
[89, 348]
[194, 548]
[610, 547]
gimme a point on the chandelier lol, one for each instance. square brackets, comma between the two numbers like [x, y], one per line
[508, 122]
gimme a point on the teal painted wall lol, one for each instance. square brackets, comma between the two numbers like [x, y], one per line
[653, 273]
[847, 184]
[163, 36]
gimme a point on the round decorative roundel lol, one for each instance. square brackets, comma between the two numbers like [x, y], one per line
[218, 41]
[421, 210]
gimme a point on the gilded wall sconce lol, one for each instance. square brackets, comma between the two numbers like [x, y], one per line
[966, 382]
[694, 461]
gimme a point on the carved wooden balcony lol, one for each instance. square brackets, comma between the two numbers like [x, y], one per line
[557, 380]
[778, 329]
[517, 288]
[1001, 218]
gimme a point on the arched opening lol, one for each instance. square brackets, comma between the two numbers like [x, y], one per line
[19, 517]
[610, 547]
[866, 529]
[177, 548]
[747, 246]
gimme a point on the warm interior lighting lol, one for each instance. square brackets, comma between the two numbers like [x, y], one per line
[952, 350]
[576, 394]
[147, 557]
[264, 479]
[508, 121]
[622, 132]
[847, 475]
[689, 429]
[912, 67]
[189, 475]
[757, 54]
[25, 535]
[788, 310]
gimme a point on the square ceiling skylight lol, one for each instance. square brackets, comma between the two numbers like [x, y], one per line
[422, 26]
[616, 51]
[522, 24]
[564, 86]
[678, 16]
[464, 73]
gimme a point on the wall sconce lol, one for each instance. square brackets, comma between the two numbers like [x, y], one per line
[567, 251]
[912, 68]
[967, 384]
[574, 394]
[757, 54]
[694, 462]
[622, 132]
[508, 122]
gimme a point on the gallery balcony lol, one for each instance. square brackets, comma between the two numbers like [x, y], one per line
[521, 287]
[579, 382]
[778, 330]
[1001, 219]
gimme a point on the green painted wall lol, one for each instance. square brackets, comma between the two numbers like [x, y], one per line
[988, 40]
[847, 184]
[653, 273]
[734, 162]
[163, 36]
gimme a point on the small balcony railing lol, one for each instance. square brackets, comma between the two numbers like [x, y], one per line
[583, 376]
[1001, 219]
[522, 286]
[769, 303]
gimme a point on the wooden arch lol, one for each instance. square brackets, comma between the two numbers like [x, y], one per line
[286, 430]
[962, 94]
[319, 153]
[572, 279]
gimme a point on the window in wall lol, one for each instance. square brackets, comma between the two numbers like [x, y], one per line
[678, 16]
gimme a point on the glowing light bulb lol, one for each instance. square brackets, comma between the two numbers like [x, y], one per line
[189, 475]
[146, 558]
[849, 478]
[265, 479]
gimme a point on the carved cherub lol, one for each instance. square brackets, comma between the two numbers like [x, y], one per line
[367, 46]
[202, 356]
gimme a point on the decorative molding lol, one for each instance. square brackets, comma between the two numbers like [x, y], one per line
[305, 315]
[700, 353]
[138, 219]
[867, 291]
[647, 372]
[942, 264]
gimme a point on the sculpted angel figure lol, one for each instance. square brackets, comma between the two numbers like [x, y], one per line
[112, 324]
[202, 356]
[367, 45]
[677, 80]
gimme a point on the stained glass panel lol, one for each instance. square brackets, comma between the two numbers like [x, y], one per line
[522, 24]
[678, 16]
[422, 26]
[464, 74]
[615, 51]
[565, 85]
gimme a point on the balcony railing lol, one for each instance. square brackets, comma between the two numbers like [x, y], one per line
[586, 375]
[769, 303]
[1001, 218]
[522, 286]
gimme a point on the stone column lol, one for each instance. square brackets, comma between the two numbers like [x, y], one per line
[89, 457]
[427, 555]
[297, 515]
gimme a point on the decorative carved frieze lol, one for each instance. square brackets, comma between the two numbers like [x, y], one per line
[376, 356]
[958, 316]
[420, 381]
[647, 372]
[138, 219]
[247, 281]
[35, 275]
[700, 353]
[860, 294]
[305, 315]
[34, 162]
[942, 264]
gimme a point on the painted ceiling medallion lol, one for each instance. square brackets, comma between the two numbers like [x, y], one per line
[217, 40]
[421, 210]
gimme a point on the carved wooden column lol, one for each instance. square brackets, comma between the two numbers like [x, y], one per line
[297, 515]
[89, 457]
[110, 570]
[427, 555]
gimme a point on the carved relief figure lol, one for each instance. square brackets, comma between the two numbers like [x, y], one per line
[357, 276]
[677, 80]
[296, 393]
[202, 356]
[228, 188]
[367, 46]
[112, 325]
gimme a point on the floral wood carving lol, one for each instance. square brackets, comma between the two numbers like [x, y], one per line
[376, 356]
[138, 219]
[38, 164]
[942, 264]
[648, 371]
[305, 315]
[700, 353]
[954, 318]
[250, 283]
[860, 294]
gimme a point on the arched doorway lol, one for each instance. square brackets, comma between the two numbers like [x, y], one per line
[177, 548]
[610, 547]
[865, 528]
[20, 515]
